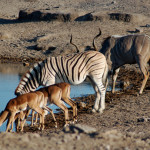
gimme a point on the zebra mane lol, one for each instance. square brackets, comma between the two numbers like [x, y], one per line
[16, 90]
[24, 79]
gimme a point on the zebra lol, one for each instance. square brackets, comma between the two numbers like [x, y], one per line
[72, 68]
[127, 49]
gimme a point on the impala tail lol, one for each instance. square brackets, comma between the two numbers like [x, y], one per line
[3, 116]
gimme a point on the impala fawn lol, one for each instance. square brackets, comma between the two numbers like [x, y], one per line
[65, 96]
[24, 114]
[19, 104]
[49, 98]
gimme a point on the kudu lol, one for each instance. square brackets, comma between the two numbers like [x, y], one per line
[128, 49]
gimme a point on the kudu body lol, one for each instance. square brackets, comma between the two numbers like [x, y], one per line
[128, 49]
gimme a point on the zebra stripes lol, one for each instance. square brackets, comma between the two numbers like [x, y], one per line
[72, 69]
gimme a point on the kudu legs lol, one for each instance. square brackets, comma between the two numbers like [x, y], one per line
[145, 72]
[114, 78]
[143, 67]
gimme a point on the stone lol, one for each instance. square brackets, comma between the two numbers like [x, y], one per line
[79, 128]
[5, 35]
[138, 30]
[81, 104]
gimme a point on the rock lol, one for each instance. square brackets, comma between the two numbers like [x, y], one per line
[147, 25]
[113, 2]
[44, 47]
[143, 119]
[127, 17]
[79, 128]
[46, 15]
[5, 35]
[44, 37]
[138, 30]
[81, 104]
[125, 84]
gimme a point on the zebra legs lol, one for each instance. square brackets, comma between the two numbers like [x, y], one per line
[100, 92]
[114, 78]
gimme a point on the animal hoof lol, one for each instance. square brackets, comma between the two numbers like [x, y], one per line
[10, 130]
[66, 125]
[71, 122]
[75, 121]
[100, 111]
[93, 110]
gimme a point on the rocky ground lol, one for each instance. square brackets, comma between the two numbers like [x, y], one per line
[31, 30]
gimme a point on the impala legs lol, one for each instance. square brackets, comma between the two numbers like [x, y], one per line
[36, 116]
[42, 114]
[51, 111]
[32, 119]
[61, 105]
[24, 118]
[11, 121]
[70, 102]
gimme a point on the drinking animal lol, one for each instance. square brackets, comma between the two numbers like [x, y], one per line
[73, 69]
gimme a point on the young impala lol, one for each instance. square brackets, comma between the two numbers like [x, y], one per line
[49, 98]
[24, 114]
[21, 103]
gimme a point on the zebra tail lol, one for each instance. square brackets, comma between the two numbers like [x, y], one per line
[105, 76]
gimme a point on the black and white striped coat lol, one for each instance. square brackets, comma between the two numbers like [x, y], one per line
[73, 69]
